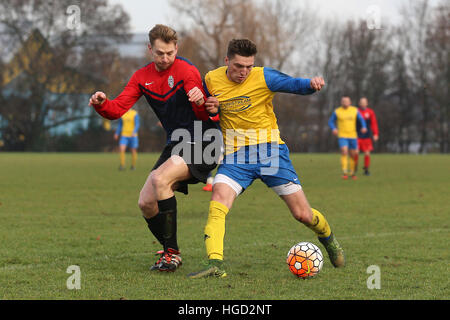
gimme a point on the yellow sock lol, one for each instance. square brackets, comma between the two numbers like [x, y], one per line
[133, 159]
[319, 225]
[215, 230]
[122, 158]
[352, 165]
[344, 164]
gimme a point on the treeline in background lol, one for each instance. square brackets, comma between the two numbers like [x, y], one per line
[55, 54]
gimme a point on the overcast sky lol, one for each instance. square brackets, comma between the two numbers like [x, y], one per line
[146, 13]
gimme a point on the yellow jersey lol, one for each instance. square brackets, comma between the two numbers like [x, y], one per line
[128, 124]
[246, 109]
[344, 120]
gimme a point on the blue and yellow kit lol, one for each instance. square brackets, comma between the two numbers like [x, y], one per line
[345, 121]
[248, 105]
[128, 124]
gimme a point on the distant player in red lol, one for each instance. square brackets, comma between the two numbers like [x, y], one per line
[365, 139]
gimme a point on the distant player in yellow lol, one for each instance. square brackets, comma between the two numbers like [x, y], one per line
[343, 123]
[242, 94]
[127, 130]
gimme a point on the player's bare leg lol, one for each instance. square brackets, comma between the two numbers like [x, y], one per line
[313, 219]
[158, 204]
[148, 204]
[299, 206]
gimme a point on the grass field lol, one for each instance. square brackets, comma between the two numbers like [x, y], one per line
[59, 210]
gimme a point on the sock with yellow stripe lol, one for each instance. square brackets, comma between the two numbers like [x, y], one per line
[344, 164]
[215, 230]
[319, 224]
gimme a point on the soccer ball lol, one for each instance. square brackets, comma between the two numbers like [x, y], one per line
[305, 260]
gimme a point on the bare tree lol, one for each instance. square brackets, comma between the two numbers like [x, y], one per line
[211, 26]
[326, 62]
[281, 29]
[438, 45]
[413, 37]
[61, 48]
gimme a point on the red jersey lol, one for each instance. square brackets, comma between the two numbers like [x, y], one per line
[371, 121]
[166, 92]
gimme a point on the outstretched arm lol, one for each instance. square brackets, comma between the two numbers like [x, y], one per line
[279, 82]
[114, 109]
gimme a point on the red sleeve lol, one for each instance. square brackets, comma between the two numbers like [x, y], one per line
[114, 109]
[373, 123]
[192, 80]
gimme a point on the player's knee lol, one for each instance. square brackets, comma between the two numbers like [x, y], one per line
[158, 181]
[218, 197]
[148, 208]
[303, 215]
[142, 204]
[223, 198]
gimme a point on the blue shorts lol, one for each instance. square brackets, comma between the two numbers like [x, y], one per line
[130, 142]
[268, 162]
[348, 142]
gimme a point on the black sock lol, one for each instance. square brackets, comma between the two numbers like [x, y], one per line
[156, 225]
[168, 209]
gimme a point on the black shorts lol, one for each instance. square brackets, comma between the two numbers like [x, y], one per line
[199, 171]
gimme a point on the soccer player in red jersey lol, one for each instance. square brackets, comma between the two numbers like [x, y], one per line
[174, 90]
[365, 139]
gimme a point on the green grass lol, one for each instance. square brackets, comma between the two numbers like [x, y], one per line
[59, 210]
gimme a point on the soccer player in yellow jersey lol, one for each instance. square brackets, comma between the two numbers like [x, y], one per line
[343, 123]
[242, 94]
[127, 130]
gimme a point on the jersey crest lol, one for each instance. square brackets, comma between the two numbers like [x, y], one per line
[171, 81]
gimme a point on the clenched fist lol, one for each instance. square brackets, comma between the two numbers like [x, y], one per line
[97, 98]
[317, 83]
[196, 95]
[212, 105]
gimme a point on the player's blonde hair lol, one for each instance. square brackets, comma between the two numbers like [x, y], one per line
[164, 33]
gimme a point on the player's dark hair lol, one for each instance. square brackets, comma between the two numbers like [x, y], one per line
[241, 47]
[164, 33]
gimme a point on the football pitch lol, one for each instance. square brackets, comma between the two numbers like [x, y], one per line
[62, 210]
